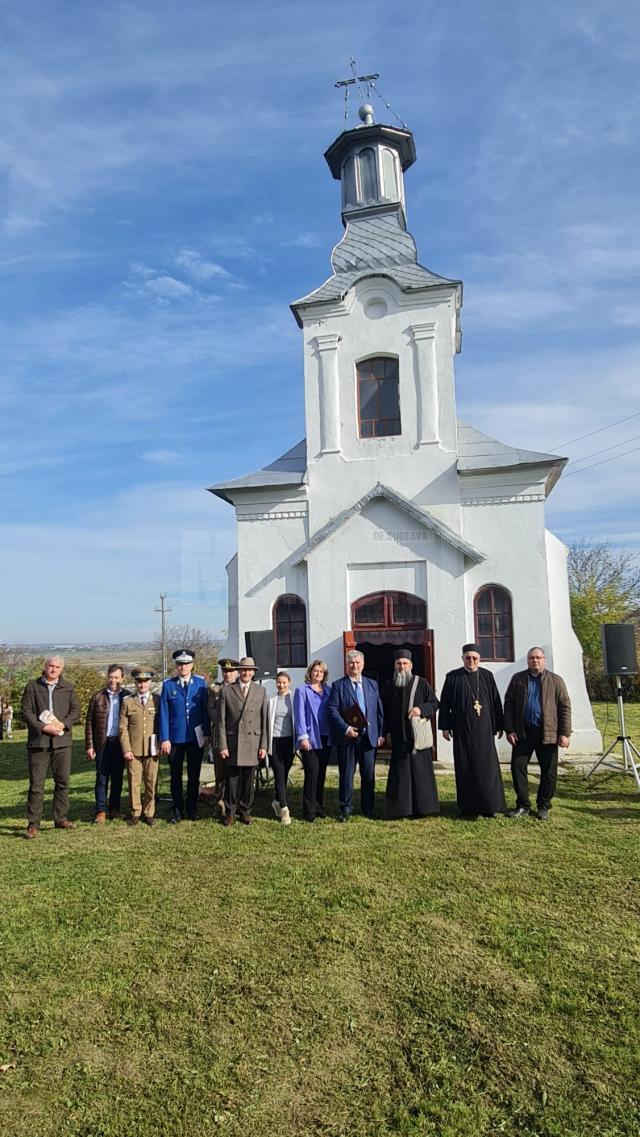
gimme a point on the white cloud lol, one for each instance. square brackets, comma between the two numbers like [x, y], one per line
[161, 457]
[199, 268]
[167, 288]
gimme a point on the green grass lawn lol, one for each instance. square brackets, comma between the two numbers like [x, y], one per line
[434, 977]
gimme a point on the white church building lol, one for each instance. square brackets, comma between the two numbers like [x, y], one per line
[393, 522]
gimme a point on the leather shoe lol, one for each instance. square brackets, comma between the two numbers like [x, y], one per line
[228, 821]
[520, 811]
[114, 815]
[64, 824]
[175, 818]
[245, 819]
[343, 817]
[149, 820]
[100, 818]
[192, 817]
[133, 821]
[543, 814]
[31, 831]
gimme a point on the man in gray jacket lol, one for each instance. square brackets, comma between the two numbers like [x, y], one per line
[537, 718]
[49, 707]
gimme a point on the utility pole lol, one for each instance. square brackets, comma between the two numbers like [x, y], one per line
[163, 632]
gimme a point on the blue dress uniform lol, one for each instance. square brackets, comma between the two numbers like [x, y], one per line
[183, 707]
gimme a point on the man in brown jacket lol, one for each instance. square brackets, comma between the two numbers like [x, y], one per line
[49, 707]
[102, 742]
[537, 718]
[242, 740]
[140, 748]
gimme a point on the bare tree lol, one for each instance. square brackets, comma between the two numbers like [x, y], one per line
[205, 644]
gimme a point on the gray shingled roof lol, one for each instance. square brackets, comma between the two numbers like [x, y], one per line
[479, 453]
[287, 470]
[374, 245]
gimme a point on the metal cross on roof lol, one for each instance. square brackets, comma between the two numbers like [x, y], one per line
[357, 81]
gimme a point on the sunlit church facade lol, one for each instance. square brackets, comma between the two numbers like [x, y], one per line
[393, 522]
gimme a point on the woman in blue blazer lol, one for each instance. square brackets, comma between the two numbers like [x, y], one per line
[312, 736]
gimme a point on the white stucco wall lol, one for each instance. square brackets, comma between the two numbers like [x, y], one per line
[381, 548]
[334, 341]
[566, 652]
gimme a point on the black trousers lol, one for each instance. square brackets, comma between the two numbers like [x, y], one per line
[547, 755]
[193, 754]
[109, 773]
[239, 789]
[281, 760]
[314, 764]
[60, 759]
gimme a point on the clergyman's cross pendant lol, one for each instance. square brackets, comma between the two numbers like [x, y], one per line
[477, 706]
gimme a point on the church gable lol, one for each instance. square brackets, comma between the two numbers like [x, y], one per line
[416, 520]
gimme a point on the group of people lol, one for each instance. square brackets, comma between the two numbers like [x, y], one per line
[244, 728]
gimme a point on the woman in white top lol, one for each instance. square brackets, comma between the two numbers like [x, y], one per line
[281, 740]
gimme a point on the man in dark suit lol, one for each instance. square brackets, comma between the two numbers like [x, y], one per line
[243, 730]
[49, 707]
[356, 745]
[101, 732]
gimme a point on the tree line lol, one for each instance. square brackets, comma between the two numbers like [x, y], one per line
[19, 664]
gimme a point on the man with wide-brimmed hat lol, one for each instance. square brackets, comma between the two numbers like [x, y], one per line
[184, 729]
[138, 732]
[242, 739]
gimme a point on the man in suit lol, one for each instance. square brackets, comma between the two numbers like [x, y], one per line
[102, 741]
[184, 729]
[357, 745]
[243, 730]
[139, 741]
[49, 707]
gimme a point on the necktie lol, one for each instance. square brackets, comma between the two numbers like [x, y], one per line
[244, 692]
[360, 697]
[143, 700]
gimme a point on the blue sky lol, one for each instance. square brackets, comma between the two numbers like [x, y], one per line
[163, 199]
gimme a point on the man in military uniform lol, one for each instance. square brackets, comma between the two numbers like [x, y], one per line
[184, 728]
[138, 735]
[229, 669]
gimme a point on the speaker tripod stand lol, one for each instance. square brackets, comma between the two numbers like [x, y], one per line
[630, 763]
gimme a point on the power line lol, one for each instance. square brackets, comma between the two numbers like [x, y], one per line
[606, 450]
[609, 426]
[614, 458]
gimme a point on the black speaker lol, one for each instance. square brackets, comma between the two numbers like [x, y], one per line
[619, 649]
[261, 646]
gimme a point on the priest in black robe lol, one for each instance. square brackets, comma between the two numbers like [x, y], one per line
[471, 713]
[411, 784]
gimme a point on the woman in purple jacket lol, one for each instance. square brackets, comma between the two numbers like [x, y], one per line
[312, 736]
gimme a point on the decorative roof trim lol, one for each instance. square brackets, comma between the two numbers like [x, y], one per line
[424, 519]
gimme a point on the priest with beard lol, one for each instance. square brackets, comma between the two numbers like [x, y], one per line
[411, 785]
[471, 713]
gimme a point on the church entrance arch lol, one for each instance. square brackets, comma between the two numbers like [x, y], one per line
[381, 623]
